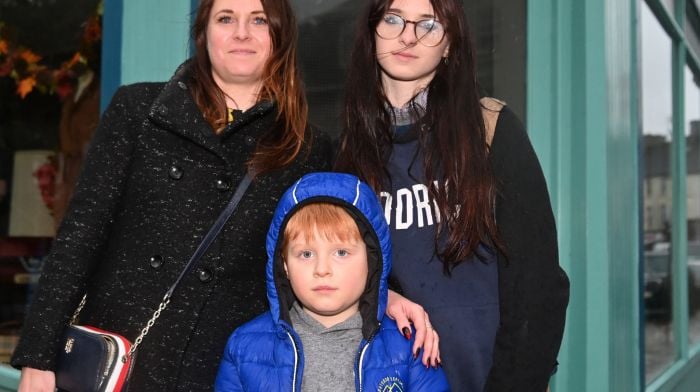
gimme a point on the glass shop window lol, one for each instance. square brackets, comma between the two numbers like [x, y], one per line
[49, 105]
[692, 176]
[657, 138]
[326, 32]
[670, 6]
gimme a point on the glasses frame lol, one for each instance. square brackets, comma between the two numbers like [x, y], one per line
[415, 28]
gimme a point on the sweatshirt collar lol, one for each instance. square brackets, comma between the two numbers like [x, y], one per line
[412, 111]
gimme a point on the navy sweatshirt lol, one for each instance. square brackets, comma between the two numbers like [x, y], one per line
[463, 307]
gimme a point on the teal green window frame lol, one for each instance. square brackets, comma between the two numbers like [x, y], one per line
[128, 57]
[582, 119]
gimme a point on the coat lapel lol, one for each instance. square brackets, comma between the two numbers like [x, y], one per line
[175, 110]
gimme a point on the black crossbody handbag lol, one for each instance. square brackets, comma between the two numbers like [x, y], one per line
[95, 360]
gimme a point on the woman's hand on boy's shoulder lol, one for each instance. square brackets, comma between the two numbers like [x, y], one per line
[405, 313]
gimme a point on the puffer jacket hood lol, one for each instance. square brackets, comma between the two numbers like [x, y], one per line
[266, 354]
[360, 201]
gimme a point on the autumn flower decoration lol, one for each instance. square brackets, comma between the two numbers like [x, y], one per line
[28, 72]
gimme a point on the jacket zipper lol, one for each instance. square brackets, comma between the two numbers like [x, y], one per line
[296, 360]
[361, 354]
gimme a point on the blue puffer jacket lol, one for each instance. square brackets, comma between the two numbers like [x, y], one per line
[265, 354]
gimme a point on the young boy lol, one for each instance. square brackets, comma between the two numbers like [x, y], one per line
[329, 256]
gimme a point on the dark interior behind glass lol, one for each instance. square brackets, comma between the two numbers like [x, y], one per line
[327, 29]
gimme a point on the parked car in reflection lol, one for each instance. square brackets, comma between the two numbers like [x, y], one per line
[658, 292]
[694, 273]
[657, 284]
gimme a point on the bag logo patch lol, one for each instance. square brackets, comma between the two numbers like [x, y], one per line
[69, 345]
[390, 384]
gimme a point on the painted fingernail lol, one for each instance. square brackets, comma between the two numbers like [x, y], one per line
[406, 333]
[415, 354]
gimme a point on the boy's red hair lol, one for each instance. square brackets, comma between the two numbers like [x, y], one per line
[330, 221]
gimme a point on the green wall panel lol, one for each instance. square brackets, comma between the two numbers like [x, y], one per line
[581, 122]
[9, 378]
[623, 196]
[155, 39]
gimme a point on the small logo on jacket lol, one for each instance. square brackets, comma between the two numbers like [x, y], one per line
[390, 384]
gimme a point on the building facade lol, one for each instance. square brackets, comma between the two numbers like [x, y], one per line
[610, 93]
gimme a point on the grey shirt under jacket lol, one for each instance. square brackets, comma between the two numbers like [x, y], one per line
[155, 179]
[329, 353]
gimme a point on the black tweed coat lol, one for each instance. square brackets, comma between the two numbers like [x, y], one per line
[155, 179]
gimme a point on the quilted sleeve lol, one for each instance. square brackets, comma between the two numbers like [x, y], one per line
[228, 378]
[422, 379]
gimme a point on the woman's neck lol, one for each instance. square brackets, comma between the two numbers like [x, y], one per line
[400, 92]
[240, 96]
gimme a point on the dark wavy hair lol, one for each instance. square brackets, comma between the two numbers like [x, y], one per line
[455, 145]
[281, 83]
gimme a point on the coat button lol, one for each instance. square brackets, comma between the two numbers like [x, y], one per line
[182, 85]
[204, 275]
[223, 185]
[249, 141]
[175, 172]
[156, 261]
[163, 110]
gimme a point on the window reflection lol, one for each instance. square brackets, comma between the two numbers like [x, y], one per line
[670, 5]
[657, 140]
[42, 136]
[692, 139]
[326, 32]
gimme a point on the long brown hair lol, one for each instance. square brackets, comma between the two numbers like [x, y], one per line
[455, 147]
[281, 83]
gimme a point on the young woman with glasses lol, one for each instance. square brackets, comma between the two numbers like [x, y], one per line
[473, 232]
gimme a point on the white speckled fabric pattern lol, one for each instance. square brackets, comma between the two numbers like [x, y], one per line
[155, 179]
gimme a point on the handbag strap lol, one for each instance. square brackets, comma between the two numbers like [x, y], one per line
[201, 249]
[208, 239]
[213, 232]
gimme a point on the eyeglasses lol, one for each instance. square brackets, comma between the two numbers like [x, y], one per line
[429, 32]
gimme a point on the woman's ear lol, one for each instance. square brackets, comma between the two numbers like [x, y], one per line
[446, 52]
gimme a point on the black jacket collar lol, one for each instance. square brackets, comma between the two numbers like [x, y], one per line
[175, 110]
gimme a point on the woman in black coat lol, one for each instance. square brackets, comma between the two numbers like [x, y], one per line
[164, 161]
